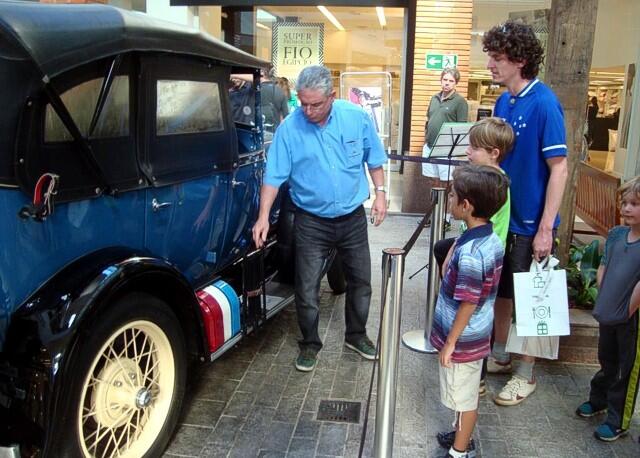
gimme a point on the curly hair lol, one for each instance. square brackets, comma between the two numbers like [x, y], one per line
[519, 43]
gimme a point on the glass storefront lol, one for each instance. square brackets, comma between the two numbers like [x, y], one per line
[362, 46]
[362, 40]
[611, 77]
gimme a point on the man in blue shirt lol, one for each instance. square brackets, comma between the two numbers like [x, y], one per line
[537, 167]
[321, 151]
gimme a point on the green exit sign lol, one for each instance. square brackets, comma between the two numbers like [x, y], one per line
[434, 61]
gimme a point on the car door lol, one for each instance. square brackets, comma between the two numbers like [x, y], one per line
[188, 154]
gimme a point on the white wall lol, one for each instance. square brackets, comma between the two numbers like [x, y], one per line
[161, 9]
[617, 33]
[617, 29]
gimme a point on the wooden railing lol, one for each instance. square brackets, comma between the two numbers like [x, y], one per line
[596, 198]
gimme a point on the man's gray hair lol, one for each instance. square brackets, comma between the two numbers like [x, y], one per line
[315, 77]
[451, 71]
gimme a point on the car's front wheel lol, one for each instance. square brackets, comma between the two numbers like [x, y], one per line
[131, 374]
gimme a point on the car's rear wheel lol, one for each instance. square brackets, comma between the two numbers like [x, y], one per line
[131, 375]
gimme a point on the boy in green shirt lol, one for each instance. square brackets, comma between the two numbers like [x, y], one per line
[490, 139]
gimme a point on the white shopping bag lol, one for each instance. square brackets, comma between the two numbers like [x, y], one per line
[540, 296]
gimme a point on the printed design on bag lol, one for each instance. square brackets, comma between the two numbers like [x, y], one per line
[542, 328]
[538, 281]
[541, 312]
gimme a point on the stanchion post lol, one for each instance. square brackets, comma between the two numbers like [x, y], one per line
[392, 272]
[418, 340]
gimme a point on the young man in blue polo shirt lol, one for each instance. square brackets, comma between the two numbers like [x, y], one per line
[537, 167]
[323, 150]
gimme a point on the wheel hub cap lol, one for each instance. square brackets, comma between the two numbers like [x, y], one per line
[119, 392]
[143, 398]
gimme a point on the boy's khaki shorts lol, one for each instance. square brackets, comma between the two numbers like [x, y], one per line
[459, 385]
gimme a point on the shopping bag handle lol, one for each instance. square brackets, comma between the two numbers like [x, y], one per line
[548, 263]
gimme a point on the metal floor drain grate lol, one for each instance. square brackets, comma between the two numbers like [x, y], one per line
[347, 411]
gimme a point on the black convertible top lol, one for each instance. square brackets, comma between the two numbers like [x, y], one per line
[40, 41]
[61, 37]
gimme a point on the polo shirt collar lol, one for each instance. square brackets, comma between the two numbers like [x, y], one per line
[527, 89]
[451, 95]
[475, 233]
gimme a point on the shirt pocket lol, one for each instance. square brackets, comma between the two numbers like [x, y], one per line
[353, 150]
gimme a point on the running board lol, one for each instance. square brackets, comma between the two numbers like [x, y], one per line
[278, 296]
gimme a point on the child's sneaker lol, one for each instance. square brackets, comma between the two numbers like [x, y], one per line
[482, 389]
[496, 367]
[607, 433]
[515, 391]
[445, 440]
[586, 410]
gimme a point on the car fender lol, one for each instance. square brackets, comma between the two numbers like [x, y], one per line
[45, 330]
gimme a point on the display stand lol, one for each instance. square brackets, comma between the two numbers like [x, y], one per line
[452, 142]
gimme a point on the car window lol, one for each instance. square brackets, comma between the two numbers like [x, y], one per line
[185, 107]
[81, 102]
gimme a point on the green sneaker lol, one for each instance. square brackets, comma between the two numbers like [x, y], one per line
[307, 360]
[364, 346]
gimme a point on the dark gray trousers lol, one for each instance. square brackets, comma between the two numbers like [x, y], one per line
[615, 385]
[315, 237]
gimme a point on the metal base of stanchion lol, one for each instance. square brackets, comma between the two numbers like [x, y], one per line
[416, 341]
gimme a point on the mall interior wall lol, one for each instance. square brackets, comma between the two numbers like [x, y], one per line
[441, 27]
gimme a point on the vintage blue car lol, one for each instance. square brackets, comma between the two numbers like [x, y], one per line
[128, 192]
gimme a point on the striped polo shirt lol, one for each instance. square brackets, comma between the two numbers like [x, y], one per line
[472, 276]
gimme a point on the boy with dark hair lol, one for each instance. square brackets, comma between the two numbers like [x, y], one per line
[463, 317]
[537, 167]
[614, 388]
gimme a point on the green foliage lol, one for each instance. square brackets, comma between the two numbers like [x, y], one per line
[581, 274]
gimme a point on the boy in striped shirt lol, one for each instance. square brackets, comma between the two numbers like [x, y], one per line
[463, 316]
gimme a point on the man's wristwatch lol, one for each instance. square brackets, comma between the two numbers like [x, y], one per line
[381, 189]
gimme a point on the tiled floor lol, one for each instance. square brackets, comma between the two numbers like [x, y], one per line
[253, 403]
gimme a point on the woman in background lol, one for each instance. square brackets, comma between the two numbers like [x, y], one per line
[289, 92]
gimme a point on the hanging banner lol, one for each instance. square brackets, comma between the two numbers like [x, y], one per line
[296, 45]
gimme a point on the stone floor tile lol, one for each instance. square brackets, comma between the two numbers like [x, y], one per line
[307, 426]
[494, 448]
[269, 395]
[277, 440]
[240, 404]
[225, 431]
[189, 440]
[252, 381]
[259, 420]
[342, 389]
[332, 439]
[288, 409]
[247, 444]
[204, 413]
[215, 451]
[214, 389]
[302, 447]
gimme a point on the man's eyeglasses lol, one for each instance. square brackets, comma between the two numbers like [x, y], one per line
[314, 106]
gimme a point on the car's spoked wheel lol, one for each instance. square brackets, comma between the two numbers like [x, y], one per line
[127, 392]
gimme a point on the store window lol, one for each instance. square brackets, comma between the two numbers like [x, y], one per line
[611, 77]
[353, 41]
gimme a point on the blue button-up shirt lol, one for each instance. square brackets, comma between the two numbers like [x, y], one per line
[325, 165]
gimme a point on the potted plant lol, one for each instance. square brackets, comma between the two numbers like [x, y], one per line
[582, 269]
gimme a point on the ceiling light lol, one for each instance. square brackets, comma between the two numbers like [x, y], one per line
[262, 26]
[331, 18]
[381, 18]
